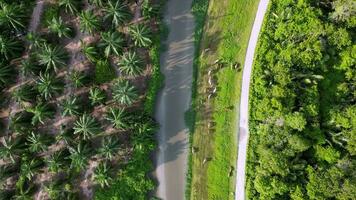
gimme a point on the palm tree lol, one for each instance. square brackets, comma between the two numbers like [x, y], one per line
[21, 122]
[24, 190]
[57, 26]
[88, 21]
[6, 73]
[109, 147]
[64, 135]
[40, 113]
[29, 168]
[89, 51]
[55, 162]
[78, 156]
[52, 57]
[69, 5]
[118, 13]
[86, 126]
[12, 15]
[10, 148]
[124, 93]
[53, 190]
[99, 3]
[131, 64]
[48, 85]
[148, 10]
[28, 66]
[35, 40]
[101, 175]
[70, 106]
[78, 78]
[111, 42]
[37, 142]
[96, 96]
[141, 35]
[118, 117]
[25, 93]
[9, 47]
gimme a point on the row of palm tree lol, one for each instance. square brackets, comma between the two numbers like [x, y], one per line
[29, 141]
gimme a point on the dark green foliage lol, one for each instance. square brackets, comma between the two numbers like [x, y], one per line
[104, 72]
[302, 108]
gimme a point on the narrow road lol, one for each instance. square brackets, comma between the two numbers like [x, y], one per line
[243, 124]
[174, 100]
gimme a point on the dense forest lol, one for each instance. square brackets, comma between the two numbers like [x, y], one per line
[78, 80]
[302, 106]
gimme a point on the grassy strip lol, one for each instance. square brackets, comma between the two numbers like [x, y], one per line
[199, 10]
[226, 36]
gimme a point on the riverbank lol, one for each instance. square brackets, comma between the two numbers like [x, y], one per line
[218, 83]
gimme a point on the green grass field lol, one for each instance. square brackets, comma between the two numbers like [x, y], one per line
[227, 28]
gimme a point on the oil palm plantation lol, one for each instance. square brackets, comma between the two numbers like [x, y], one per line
[9, 47]
[118, 117]
[70, 106]
[29, 167]
[131, 64]
[89, 51]
[78, 156]
[124, 93]
[111, 42]
[117, 13]
[35, 40]
[69, 5]
[40, 112]
[36, 142]
[56, 162]
[10, 148]
[99, 3]
[6, 73]
[140, 34]
[88, 21]
[78, 78]
[25, 93]
[48, 85]
[53, 57]
[58, 27]
[86, 126]
[12, 15]
[29, 67]
[102, 176]
[21, 122]
[109, 147]
[96, 96]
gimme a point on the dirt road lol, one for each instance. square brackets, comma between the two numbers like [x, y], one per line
[174, 100]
